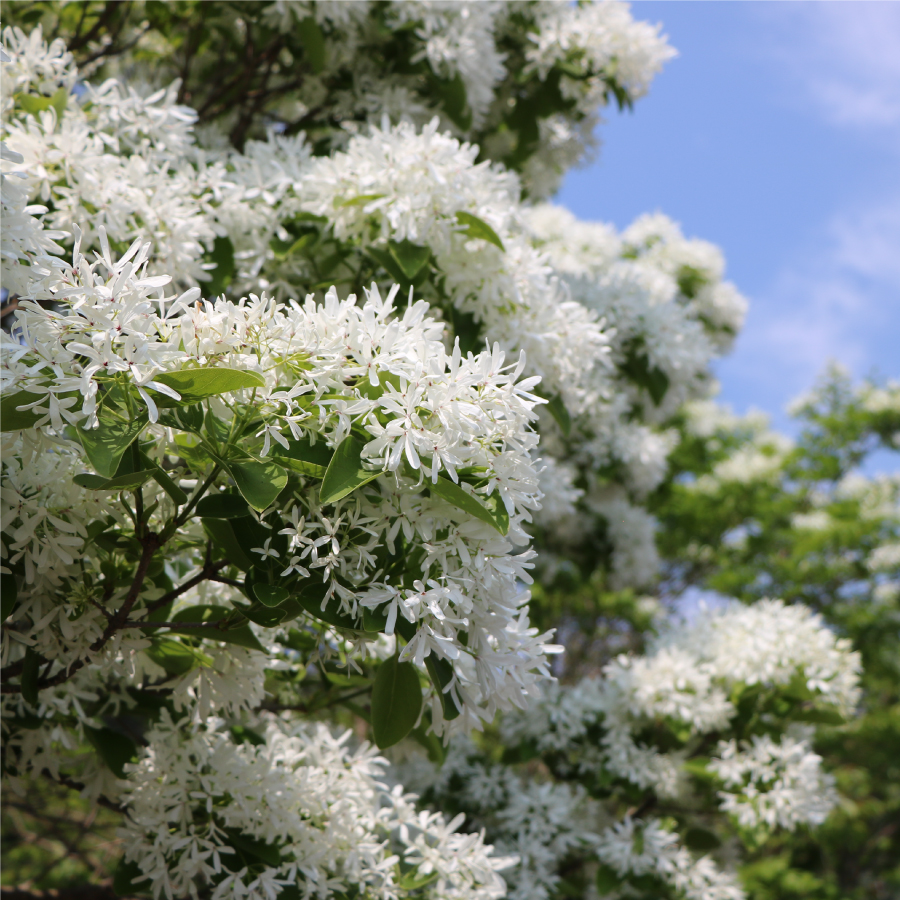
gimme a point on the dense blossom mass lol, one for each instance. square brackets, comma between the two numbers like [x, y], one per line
[302, 391]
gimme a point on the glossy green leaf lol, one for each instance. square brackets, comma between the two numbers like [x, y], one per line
[31, 667]
[222, 254]
[311, 600]
[304, 457]
[129, 879]
[259, 482]
[374, 620]
[252, 849]
[267, 618]
[12, 419]
[557, 409]
[176, 494]
[242, 635]
[410, 257]
[396, 702]
[361, 200]
[820, 716]
[313, 41]
[607, 880]
[701, 839]
[441, 673]
[453, 493]
[386, 260]
[224, 505]
[478, 228]
[197, 384]
[9, 595]
[36, 103]
[113, 748]
[498, 508]
[345, 472]
[271, 594]
[176, 658]
[221, 533]
[106, 444]
[129, 482]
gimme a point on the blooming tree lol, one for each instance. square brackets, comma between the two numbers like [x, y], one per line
[304, 384]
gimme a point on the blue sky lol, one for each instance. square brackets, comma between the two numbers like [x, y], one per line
[775, 134]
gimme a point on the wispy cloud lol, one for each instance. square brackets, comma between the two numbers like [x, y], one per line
[848, 63]
[837, 300]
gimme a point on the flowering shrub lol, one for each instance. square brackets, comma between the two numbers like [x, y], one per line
[301, 390]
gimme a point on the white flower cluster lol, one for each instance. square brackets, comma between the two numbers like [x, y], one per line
[111, 159]
[649, 848]
[688, 680]
[576, 51]
[299, 809]
[541, 823]
[776, 783]
[587, 41]
[322, 370]
[414, 184]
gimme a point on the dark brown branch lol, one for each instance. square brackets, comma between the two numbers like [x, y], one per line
[206, 574]
[150, 544]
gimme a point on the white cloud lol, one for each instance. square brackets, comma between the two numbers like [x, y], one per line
[846, 57]
[838, 300]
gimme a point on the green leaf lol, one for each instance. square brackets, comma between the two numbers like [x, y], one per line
[176, 658]
[31, 667]
[259, 482]
[313, 41]
[267, 618]
[441, 673]
[222, 254]
[35, 103]
[410, 257]
[452, 92]
[374, 620]
[113, 748]
[345, 472]
[396, 702]
[557, 409]
[386, 260]
[453, 493]
[496, 505]
[478, 228]
[412, 881]
[128, 879]
[9, 595]
[701, 839]
[361, 200]
[242, 635]
[311, 600]
[176, 494]
[255, 849]
[129, 482]
[820, 717]
[431, 743]
[637, 367]
[12, 419]
[106, 444]
[305, 458]
[284, 249]
[271, 594]
[221, 533]
[197, 384]
[183, 418]
[607, 880]
[244, 735]
[224, 505]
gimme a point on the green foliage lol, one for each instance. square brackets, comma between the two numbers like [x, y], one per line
[396, 702]
[345, 472]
